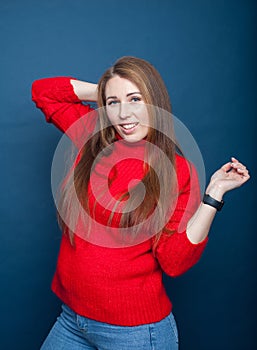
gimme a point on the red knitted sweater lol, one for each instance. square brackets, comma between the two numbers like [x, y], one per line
[121, 286]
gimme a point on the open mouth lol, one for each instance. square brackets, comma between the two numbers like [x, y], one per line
[128, 127]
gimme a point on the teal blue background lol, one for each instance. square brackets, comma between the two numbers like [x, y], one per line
[206, 52]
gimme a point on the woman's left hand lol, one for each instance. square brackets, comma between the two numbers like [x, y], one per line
[231, 175]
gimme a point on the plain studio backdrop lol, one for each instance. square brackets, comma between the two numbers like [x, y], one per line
[206, 53]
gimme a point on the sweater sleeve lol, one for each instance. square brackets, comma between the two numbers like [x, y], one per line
[61, 106]
[175, 252]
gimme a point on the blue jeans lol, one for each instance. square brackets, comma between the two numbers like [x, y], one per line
[74, 332]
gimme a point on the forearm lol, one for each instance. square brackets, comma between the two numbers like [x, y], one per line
[85, 91]
[230, 176]
[61, 106]
[199, 225]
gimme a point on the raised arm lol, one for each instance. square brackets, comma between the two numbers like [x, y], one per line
[60, 99]
[230, 176]
[179, 251]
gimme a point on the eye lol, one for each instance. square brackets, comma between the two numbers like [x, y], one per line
[135, 99]
[113, 102]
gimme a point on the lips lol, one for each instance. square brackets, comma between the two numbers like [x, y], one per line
[128, 126]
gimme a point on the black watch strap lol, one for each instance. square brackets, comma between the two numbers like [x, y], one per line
[207, 199]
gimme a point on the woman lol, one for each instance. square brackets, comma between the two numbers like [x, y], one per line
[109, 270]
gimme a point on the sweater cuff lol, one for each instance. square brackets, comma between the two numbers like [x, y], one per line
[177, 254]
[63, 90]
[57, 89]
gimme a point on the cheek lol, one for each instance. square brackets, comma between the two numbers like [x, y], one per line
[112, 115]
[145, 131]
[145, 119]
[142, 114]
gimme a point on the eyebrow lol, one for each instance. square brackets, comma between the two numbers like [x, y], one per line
[131, 93]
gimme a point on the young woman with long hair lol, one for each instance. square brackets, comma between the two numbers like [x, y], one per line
[130, 209]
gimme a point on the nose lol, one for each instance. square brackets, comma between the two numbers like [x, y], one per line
[125, 111]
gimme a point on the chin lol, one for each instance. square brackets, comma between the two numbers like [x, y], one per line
[132, 138]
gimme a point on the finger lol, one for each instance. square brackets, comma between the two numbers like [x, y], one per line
[245, 177]
[226, 167]
[234, 159]
[236, 163]
[238, 166]
[243, 173]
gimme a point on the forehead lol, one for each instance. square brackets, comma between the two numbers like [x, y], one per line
[118, 86]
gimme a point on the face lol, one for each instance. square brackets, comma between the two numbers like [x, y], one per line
[126, 109]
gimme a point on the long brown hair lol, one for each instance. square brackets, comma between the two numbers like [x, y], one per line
[154, 93]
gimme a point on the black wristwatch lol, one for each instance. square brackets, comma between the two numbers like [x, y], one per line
[207, 199]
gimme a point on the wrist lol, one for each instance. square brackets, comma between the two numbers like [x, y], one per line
[215, 191]
[210, 201]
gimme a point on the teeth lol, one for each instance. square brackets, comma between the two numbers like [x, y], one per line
[129, 126]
